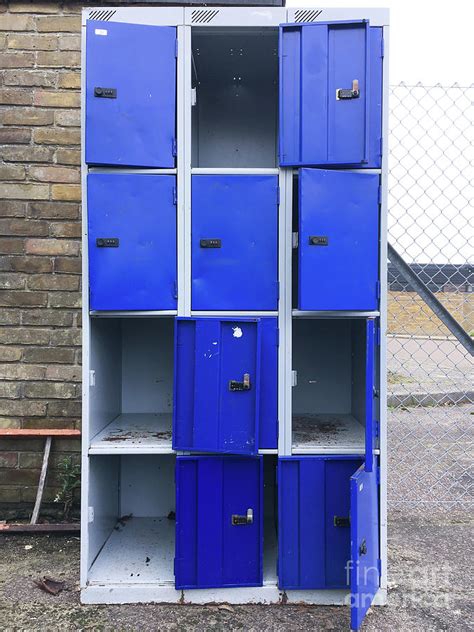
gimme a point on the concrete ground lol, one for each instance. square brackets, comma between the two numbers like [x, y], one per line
[430, 588]
[426, 371]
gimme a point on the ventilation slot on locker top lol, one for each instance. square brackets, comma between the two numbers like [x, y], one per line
[307, 15]
[235, 82]
[131, 385]
[203, 16]
[99, 14]
[333, 386]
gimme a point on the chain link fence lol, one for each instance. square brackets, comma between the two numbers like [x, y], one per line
[430, 373]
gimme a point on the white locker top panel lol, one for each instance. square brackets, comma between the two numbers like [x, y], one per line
[232, 16]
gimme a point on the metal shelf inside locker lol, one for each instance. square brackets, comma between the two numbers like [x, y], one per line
[327, 434]
[123, 558]
[138, 550]
[132, 524]
[132, 531]
[296, 313]
[329, 392]
[131, 385]
[135, 433]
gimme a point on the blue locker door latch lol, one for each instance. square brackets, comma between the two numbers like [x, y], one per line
[351, 93]
[238, 520]
[234, 385]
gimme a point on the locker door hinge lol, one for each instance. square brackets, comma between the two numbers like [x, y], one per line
[380, 195]
[379, 566]
[382, 48]
[174, 147]
[277, 283]
[176, 48]
[381, 146]
[377, 289]
[175, 289]
[92, 378]
[294, 378]
[175, 196]
[377, 428]
[378, 474]
[277, 337]
[378, 336]
[278, 196]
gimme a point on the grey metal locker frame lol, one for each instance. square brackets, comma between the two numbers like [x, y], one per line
[102, 463]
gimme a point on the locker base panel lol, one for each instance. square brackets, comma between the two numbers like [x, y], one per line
[135, 433]
[153, 593]
[327, 434]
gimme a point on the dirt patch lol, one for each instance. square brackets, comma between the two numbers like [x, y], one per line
[429, 588]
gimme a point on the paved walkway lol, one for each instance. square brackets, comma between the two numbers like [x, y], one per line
[418, 367]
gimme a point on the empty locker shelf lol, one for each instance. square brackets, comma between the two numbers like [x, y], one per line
[138, 550]
[329, 433]
[131, 519]
[134, 433]
[131, 385]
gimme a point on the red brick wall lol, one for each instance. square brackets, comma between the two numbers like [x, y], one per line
[39, 240]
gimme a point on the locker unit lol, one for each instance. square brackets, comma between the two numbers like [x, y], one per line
[234, 251]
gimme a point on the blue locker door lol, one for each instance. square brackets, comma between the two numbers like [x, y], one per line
[219, 522]
[234, 242]
[331, 94]
[338, 240]
[132, 241]
[314, 514]
[130, 94]
[365, 560]
[217, 385]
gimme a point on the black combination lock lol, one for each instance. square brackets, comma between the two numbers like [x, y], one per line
[318, 240]
[107, 242]
[105, 93]
[210, 243]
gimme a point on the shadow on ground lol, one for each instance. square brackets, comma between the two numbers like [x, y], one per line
[429, 588]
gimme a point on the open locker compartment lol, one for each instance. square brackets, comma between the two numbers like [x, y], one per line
[131, 385]
[329, 529]
[131, 530]
[333, 392]
[235, 83]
